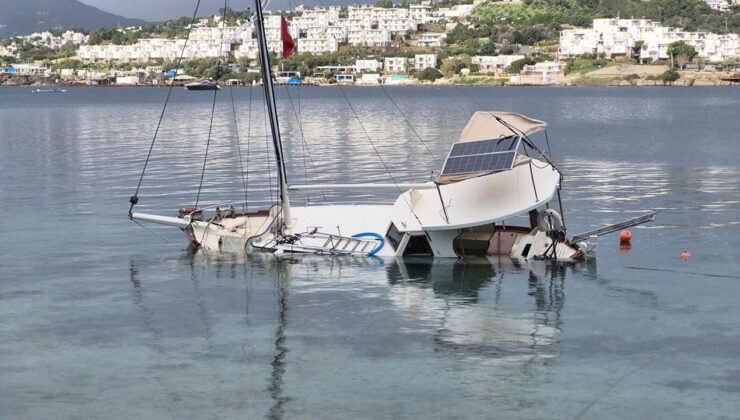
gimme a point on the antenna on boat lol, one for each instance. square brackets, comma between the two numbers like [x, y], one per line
[272, 111]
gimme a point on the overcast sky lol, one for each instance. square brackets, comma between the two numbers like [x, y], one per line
[155, 10]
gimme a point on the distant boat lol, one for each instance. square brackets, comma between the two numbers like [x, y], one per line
[202, 85]
[55, 90]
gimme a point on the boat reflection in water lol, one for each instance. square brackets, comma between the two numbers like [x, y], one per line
[463, 304]
[489, 320]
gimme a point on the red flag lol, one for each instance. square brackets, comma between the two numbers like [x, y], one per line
[288, 44]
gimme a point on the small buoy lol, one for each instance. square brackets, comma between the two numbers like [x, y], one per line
[625, 236]
[685, 255]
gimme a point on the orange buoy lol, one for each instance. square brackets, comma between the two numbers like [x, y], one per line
[685, 255]
[625, 236]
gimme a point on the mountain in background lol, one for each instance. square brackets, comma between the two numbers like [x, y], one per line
[23, 17]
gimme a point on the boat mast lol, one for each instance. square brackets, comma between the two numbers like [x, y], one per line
[272, 110]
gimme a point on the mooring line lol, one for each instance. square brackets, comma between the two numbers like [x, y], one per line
[684, 272]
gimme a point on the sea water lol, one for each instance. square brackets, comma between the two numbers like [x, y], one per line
[101, 318]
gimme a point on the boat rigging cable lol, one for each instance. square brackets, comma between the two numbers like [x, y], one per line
[213, 105]
[304, 144]
[377, 152]
[436, 160]
[134, 200]
[238, 143]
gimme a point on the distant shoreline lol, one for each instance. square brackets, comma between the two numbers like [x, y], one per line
[679, 83]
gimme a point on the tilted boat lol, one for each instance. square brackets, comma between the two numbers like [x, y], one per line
[494, 176]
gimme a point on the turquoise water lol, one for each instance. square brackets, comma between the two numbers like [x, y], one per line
[103, 319]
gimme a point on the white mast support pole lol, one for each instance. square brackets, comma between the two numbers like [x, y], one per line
[272, 109]
[422, 186]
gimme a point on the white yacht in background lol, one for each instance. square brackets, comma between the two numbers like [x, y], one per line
[495, 195]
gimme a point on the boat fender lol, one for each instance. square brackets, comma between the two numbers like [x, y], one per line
[544, 226]
[372, 235]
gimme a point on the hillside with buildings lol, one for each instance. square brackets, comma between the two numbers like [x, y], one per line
[29, 16]
[514, 42]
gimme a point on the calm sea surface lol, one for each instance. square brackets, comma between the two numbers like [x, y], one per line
[100, 318]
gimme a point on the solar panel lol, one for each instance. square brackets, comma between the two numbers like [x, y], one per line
[485, 146]
[481, 156]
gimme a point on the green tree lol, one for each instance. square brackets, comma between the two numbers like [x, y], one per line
[669, 76]
[681, 53]
[518, 65]
[489, 48]
[430, 74]
[452, 66]
[388, 4]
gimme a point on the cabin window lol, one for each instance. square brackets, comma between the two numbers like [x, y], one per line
[418, 246]
[393, 236]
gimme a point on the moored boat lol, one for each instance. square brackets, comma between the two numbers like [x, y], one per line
[202, 85]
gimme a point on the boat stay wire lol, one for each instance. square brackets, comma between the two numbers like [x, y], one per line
[304, 143]
[238, 144]
[411, 126]
[134, 200]
[377, 152]
[213, 105]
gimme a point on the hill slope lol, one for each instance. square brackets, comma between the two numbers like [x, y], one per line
[27, 16]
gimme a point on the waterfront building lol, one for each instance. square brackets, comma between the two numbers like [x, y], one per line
[492, 62]
[422, 61]
[543, 68]
[369, 65]
[619, 37]
[395, 64]
[26, 70]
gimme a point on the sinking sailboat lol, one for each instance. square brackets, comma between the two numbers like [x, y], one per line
[496, 194]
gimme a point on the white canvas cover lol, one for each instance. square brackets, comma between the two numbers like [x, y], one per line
[484, 125]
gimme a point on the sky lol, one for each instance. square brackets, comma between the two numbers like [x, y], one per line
[156, 10]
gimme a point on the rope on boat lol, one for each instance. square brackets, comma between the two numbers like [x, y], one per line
[134, 200]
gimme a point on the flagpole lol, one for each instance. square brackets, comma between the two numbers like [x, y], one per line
[272, 110]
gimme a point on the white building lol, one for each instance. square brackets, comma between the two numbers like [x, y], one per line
[27, 70]
[422, 61]
[49, 40]
[369, 37]
[421, 13]
[205, 42]
[722, 5]
[491, 62]
[618, 37]
[431, 39]
[543, 68]
[371, 65]
[5, 52]
[395, 64]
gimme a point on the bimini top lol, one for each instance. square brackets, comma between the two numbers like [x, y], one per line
[488, 144]
[484, 126]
